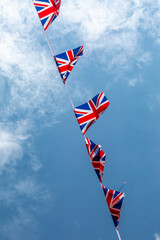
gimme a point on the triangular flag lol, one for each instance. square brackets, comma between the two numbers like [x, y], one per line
[67, 60]
[97, 157]
[47, 10]
[114, 200]
[89, 112]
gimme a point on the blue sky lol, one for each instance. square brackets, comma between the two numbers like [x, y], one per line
[48, 189]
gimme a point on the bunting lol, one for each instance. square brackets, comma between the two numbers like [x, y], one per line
[114, 200]
[89, 112]
[67, 60]
[97, 157]
[47, 10]
[86, 113]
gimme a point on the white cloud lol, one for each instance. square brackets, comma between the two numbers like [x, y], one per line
[11, 144]
[22, 219]
[157, 236]
[27, 187]
[30, 188]
[15, 227]
[154, 102]
[22, 200]
[115, 29]
[93, 20]
[29, 78]
[132, 82]
[35, 163]
[29, 84]
[96, 21]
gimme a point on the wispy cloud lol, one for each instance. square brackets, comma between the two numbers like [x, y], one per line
[23, 221]
[117, 22]
[29, 84]
[157, 236]
[154, 102]
[29, 80]
[11, 143]
[113, 29]
[29, 187]
[35, 163]
[21, 200]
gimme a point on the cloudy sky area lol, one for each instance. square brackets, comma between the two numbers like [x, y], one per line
[48, 189]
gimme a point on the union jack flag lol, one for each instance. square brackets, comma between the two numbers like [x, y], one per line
[89, 112]
[97, 157]
[114, 200]
[47, 10]
[67, 60]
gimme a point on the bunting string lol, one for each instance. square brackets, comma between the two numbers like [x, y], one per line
[124, 183]
[119, 237]
[49, 44]
[69, 97]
